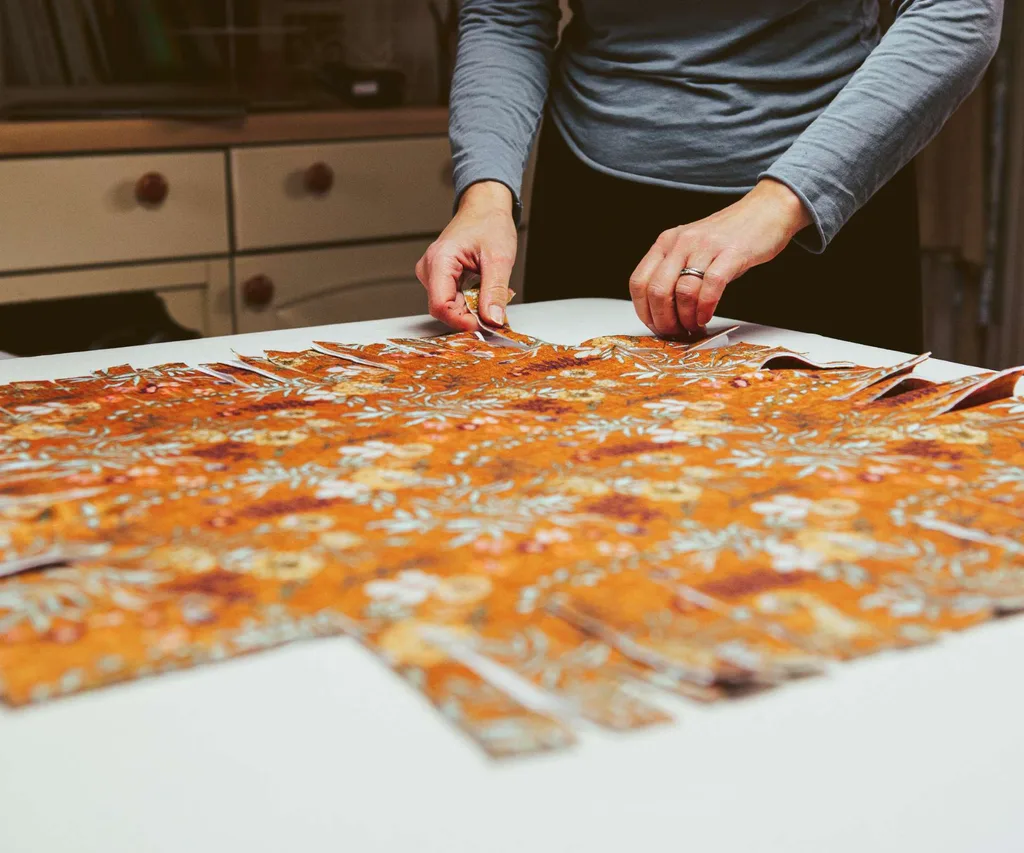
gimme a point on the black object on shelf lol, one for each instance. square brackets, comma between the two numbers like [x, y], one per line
[361, 88]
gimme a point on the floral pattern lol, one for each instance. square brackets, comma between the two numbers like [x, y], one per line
[524, 532]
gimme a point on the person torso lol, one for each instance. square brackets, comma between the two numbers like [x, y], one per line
[703, 93]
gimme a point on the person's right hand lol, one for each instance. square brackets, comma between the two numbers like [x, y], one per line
[481, 239]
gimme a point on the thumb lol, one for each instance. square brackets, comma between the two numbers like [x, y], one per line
[495, 272]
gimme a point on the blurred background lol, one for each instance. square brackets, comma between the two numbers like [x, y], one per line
[178, 168]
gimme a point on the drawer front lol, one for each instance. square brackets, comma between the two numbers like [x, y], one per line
[87, 210]
[305, 194]
[321, 287]
[315, 288]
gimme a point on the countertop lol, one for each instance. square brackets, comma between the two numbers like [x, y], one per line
[319, 747]
[27, 138]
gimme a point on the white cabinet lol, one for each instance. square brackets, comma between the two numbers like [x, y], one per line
[294, 195]
[338, 285]
[238, 238]
[77, 211]
[197, 294]
[312, 288]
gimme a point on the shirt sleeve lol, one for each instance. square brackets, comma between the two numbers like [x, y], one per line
[931, 59]
[499, 88]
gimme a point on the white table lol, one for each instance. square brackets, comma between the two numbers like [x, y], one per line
[318, 747]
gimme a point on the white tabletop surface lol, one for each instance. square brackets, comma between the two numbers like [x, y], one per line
[318, 747]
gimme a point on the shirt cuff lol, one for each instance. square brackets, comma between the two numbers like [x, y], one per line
[826, 217]
[464, 182]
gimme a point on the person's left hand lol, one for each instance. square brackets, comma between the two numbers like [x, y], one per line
[724, 246]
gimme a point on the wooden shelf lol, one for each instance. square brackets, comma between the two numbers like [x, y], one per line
[22, 138]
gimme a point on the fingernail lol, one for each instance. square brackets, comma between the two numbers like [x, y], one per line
[497, 315]
[703, 318]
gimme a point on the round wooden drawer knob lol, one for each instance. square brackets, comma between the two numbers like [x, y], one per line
[151, 189]
[319, 179]
[258, 291]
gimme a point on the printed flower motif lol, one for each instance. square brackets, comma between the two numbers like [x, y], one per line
[512, 392]
[196, 481]
[698, 428]
[673, 491]
[835, 508]
[663, 459]
[354, 388]
[405, 643]
[417, 450]
[835, 546]
[340, 540]
[786, 557]
[544, 538]
[783, 508]
[284, 566]
[828, 620]
[755, 376]
[32, 431]
[953, 434]
[306, 522]
[599, 346]
[701, 474]
[572, 395]
[370, 451]
[685, 430]
[60, 410]
[706, 407]
[552, 536]
[198, 435]
[271, 437]
[386, 479]
[345, 489]
[589, 487]
[622, 550]
[488, 545]
[297, 414]
[407, 589]
[577, 373]
[183, 558]
[463, 589]
[877, 433]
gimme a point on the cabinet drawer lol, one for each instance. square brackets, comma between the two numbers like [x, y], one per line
[321, 287]
[295, 289]
[88, 210]
[303, 194]
[197, 293]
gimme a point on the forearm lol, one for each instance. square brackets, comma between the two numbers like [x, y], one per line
[499, 88]
[929, 61]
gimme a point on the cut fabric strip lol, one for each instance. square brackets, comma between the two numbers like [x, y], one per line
[536, 537]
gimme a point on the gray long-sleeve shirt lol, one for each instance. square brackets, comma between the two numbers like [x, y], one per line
[712, 95]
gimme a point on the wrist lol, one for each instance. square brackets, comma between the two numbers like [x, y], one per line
[489, 196]
[785, 205]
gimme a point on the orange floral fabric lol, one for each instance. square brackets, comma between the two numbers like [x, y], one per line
[524, 534]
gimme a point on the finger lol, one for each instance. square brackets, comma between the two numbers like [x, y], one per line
[726, 268]
[640, 281]
[662, 296]
[442, 272]
[687, 292]
[495, 273]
